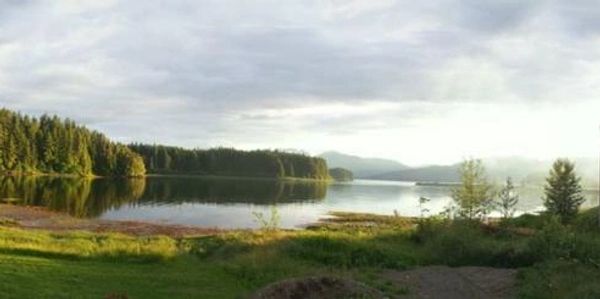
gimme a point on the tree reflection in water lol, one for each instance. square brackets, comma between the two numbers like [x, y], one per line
[85, 197]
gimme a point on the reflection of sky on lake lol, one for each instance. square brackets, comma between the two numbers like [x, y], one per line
[232, 203]
[360, 196]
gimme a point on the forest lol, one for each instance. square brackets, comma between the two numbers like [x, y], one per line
[51, 145]
[161, 159]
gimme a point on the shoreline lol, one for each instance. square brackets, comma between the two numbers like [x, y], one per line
[40, 218]
[158, 175]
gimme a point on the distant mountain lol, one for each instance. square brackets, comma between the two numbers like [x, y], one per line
[362, 167]
[522, 170]
[527, 171]
[422, 174]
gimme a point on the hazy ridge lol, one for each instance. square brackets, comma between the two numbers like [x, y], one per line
[522, 170]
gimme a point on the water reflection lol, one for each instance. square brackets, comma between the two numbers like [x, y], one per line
[167, 190]
[77, 196]
[230, 203]
[92, 197]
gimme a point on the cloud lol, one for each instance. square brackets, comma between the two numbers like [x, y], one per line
[248, 74]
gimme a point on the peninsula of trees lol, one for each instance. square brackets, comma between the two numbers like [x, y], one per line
[341, 174]
[50, 145]
[54, 146]
[230, 162]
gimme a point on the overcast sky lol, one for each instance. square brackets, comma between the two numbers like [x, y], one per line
[417, 81]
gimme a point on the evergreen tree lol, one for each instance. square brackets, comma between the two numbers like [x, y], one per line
[52, 145]
[226, 161]
[563, 192]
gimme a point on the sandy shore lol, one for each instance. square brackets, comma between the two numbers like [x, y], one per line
[30, 217]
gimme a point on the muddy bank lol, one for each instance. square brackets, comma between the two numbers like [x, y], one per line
[30, 217]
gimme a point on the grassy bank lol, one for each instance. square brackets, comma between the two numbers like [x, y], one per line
[554, 261]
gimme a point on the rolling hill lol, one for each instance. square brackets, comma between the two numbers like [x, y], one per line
[362, 167]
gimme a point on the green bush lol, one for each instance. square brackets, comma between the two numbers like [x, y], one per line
[560, 279]
[587, 221]
[348, 252]
[466, 243]
[553, 241]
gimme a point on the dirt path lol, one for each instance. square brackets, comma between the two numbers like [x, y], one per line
[437, 282]
[42, 218]
[455, 283]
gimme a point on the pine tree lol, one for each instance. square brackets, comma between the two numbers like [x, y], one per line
[52, 145]
[563, 192]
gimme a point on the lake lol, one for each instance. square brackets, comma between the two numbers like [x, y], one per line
[231, 203]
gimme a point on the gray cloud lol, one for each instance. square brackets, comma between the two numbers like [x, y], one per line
[120, 66]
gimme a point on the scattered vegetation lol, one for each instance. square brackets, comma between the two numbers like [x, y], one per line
[236, 263]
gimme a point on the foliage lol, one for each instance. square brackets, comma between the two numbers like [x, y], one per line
[341, 174]
[268, 224]
[560, 279]
[553, 241]
[563, 191]
[466, 242]
[474, 195]
[52, 145]
[507, 200]
[231, 162]
[588, 220]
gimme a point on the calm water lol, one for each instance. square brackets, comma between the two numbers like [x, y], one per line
[230, 203]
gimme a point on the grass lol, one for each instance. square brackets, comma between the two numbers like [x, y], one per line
[184, 277]
[560, 279]
[86, 245]
[40, 264]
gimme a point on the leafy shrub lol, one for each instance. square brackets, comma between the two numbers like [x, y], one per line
[553, 241]
[347, 252]
[587, 221]
[466, 243]
[560, 279]
[528, 221]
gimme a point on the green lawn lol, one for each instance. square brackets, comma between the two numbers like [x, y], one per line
[38, 277]
[555, 261]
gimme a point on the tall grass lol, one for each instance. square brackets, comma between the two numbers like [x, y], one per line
[85, 245]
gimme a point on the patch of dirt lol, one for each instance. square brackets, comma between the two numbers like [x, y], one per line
[317, 288]
[455, 283]
[30, 217]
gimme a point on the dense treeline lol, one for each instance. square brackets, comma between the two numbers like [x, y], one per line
[231, 162]
[341, 174]
[52, 145]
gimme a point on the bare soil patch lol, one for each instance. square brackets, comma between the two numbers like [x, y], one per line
[317, 288]
[30, 217]
[456, 283]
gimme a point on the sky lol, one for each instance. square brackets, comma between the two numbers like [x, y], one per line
[422, 82]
